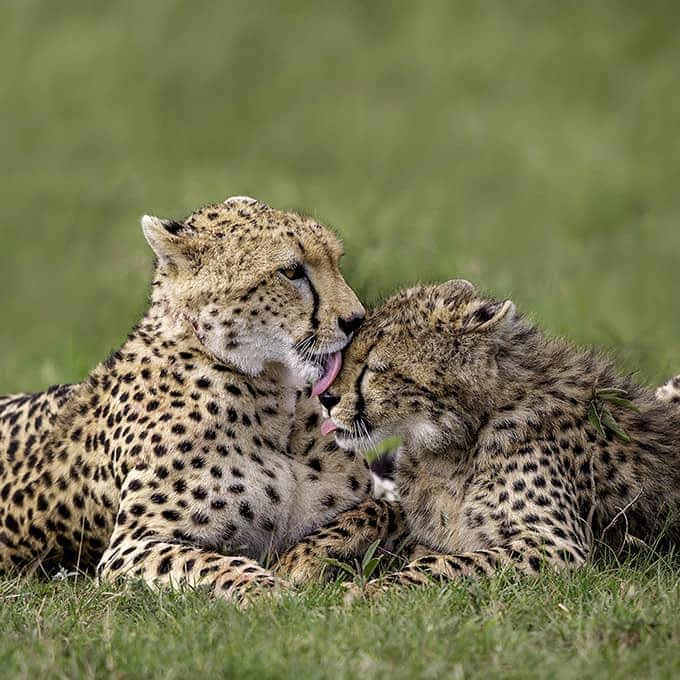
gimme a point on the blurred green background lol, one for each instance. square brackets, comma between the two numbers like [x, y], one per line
[532, 147]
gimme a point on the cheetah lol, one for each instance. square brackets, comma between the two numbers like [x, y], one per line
[192, 454]
[517, 450]
[670, 391]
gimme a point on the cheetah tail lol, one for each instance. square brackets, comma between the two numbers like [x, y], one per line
[670, 391]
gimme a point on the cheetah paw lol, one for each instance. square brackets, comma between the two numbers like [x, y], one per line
[247, 588]
[300, 569]
[364, 591]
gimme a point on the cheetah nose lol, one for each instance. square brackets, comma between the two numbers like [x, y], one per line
[328, 400]
[349, 324]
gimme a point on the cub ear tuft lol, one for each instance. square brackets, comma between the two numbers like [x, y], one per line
[166, 239]
[487, 314]
[445, 301]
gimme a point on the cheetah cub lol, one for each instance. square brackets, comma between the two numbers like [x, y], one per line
[503, 460]
[191, 452]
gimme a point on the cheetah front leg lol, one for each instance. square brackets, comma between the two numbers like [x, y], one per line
[345, 539]
[148, 544]
[529, 554]
[159, 563]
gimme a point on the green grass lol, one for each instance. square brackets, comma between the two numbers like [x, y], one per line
[531, 147]
[610, 622]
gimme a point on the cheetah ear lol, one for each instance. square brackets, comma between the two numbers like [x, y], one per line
[483, 315]
[166, 238]
[445, 301]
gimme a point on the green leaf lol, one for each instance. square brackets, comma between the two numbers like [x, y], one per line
[370, 567]
[611, 424]
[339, 565]
[369, 562]
[623, 403]
[386, 446]
[368, 556]
[601, 417]
[609, 392]
[594, 418]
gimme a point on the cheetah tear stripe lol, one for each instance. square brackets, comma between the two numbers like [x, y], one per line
[331, 369]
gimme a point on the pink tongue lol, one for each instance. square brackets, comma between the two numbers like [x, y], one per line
[328, 426]
[331, 370]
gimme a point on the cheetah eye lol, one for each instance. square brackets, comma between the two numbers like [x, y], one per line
[294, 273]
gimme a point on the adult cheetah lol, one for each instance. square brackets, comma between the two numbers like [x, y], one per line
[517, 449]
[192, 452]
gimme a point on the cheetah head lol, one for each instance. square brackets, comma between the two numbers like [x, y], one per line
[255, 285]
[422, 367]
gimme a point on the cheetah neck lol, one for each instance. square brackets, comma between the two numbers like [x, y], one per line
[167, 333]
[162, 355]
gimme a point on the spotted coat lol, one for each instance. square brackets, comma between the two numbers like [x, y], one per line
[191, 454]
[670, 391]
[501, 464]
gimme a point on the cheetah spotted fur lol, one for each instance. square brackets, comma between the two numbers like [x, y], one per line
[670, 391]
[191, 455]
[500, 464]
